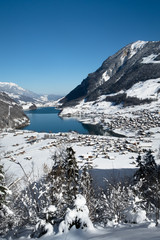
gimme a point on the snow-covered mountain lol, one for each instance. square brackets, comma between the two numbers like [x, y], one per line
[18, 93]
[129, 77]
[12, 114]
[22, 96]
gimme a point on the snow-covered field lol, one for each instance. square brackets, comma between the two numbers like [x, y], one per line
[144, 231]
[105, 153]
[123, 232]
[33, 151]
[30, 153]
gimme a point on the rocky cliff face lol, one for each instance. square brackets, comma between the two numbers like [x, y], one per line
[11, 114]
[135, 63]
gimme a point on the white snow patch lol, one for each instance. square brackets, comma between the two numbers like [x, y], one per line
[138, 216]
[10, 85]
[105, 76]
[44, 98]
[150, 59]
[80, 214]
[135, 47]
[143, 90]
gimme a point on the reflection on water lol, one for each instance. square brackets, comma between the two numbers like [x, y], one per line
[47, 120]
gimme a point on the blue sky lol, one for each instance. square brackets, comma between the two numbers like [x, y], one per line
[50, 46]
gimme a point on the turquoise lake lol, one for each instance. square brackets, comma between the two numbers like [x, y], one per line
[47, 120]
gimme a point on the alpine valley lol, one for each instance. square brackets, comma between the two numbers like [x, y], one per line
[119, 94]
[14, 99]
[85, 186]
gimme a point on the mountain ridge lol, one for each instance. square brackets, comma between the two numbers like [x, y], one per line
[12, 115]
[22, 96]
[136, 62]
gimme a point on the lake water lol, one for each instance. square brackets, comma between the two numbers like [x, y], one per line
[47, 120]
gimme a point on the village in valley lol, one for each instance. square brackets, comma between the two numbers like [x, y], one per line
[130, 134]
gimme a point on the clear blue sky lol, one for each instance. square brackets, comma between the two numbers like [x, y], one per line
[50, 46]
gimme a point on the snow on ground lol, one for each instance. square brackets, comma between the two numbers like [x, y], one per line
[143, 231]
[34, 151]
[89, 108]
[20, 147]
[105, 153]
[143, 90]
[27, 105]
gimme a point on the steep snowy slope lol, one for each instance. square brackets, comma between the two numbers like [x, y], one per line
[136, 63]
[11, 114]
[23, 96]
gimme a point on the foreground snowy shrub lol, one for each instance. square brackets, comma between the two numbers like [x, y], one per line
[78, 216]
[136, 217]
[41, 228]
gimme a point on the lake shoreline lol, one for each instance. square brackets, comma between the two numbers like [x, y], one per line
[88, 128]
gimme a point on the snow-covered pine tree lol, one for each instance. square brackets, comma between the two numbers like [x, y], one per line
[147, 167]
[56, 185]
[72, 177]
[135, 211]
[77, 216]
[146, 180]
[63, 183]
[86, 189]
[3, 188]
[5, 213]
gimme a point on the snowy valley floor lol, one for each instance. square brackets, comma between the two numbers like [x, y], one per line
[31, 152]
[108, 155]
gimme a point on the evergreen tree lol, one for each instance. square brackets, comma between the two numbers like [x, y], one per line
[3, 188]
[63, 183]
[147, 167]
[86, 189]
[147, 182]
[72, 176]
[5, 213]
[56, 186]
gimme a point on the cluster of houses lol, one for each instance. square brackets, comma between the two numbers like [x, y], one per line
[100, 145]
[139, 122]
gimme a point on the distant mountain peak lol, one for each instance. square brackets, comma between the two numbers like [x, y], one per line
[23, 96]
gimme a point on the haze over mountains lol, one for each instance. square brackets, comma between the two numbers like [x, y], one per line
[130, 76]
[21, 95]
[13, 98]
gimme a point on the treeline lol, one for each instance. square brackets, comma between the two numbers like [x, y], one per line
[122, 98]
[65, 197]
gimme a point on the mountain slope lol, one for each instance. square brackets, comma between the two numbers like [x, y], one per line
[11, 113]
[18, 93]
[136, 62]
[22, 96]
